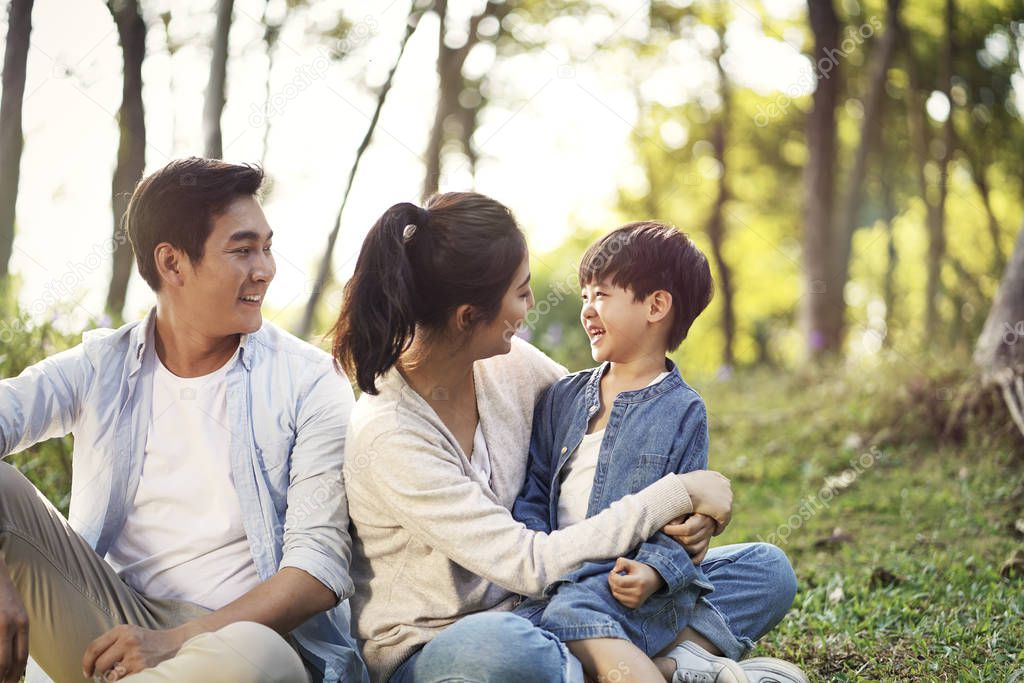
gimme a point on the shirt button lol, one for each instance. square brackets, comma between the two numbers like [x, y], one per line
[564, 449]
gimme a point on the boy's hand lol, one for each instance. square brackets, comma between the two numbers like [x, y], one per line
[694, 533]
[633, 582]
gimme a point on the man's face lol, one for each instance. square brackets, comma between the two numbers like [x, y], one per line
[224, 291]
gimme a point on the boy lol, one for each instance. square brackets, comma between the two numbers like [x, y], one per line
[601, 434]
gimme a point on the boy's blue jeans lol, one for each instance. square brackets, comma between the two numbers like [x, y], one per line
[754, 587]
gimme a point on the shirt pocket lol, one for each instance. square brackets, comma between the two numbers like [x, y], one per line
[647, 469]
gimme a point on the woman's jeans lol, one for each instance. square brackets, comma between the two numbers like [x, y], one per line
[754, 587]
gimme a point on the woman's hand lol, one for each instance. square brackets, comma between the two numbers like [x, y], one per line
[694, 533]
[711, 494]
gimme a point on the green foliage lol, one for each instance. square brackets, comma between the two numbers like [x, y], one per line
[23, 342]
[861, 447]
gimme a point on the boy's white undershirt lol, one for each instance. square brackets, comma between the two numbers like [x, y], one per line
[184, 537]
[578, 476]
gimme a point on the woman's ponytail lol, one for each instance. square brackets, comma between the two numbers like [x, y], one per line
[415, 268]
[378, 314]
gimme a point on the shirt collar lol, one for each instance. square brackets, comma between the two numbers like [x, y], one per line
[142, 337]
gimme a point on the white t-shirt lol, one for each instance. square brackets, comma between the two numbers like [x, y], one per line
[481, 458]
[184, 538]
[578, 476]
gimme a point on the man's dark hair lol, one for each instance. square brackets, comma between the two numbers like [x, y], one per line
[647, 256]
[178, 204]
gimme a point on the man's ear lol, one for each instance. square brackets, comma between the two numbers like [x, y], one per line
[659, 304]
[169, 264]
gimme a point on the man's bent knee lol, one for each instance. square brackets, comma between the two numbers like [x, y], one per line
[242, 652]
[15, 489]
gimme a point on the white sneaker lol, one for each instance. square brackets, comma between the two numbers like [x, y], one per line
[694, 664]
[771, 670]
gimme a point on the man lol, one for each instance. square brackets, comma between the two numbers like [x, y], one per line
[207, 538]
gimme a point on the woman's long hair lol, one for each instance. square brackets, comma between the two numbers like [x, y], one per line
[416, 266]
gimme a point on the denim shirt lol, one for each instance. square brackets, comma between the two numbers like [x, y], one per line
[653, 431]
[288, 411]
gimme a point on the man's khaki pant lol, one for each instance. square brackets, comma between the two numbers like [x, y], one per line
[72, 597]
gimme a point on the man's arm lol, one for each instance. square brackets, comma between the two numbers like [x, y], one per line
[283, 602]
[43, 402]
[533, 506]
[314, 572]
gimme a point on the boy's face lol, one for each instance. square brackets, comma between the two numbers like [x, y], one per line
[615, 322]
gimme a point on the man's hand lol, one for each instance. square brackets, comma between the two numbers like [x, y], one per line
[633, 582]
[694, 533]
[126, 650]
[711, 494]
[13, 630]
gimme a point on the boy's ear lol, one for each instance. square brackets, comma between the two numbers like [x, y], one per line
[659, 303]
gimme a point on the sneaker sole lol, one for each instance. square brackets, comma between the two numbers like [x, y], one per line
[777, 666]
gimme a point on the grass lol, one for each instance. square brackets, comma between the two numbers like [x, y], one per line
[904, 471]
[932, 517]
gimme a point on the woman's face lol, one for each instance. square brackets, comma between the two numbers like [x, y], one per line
[495, 337]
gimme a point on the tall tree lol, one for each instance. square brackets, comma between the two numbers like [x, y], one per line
[1000, 349]
[716, 221]
[921, 141]
[872, 104]
[19, 27]
[455, 118]
[217, 85]
[323, 275]
[821, 318]
[131, 149]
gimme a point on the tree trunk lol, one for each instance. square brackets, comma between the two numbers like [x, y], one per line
[450, 111]
[324, 271]
[217, 85]
[892, 260]
[19, 27]
[920, 141]
[172, 49]
[821, 314]
[978, 169]
[131, 150]
[999, 352]
[870, 133]
[716, 221]
[271, 33]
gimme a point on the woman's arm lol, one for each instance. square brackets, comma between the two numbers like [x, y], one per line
[424, 488]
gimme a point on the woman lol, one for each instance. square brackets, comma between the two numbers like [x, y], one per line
[437, 452]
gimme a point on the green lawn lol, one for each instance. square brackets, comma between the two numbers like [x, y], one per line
[932, 517]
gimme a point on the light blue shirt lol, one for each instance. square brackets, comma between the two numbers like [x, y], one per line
[288, 410]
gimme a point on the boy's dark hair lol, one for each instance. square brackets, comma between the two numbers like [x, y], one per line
[177, 205]
[648, 256]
